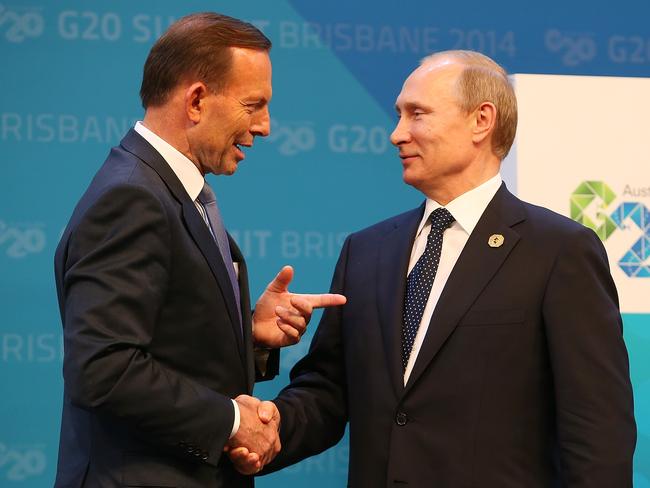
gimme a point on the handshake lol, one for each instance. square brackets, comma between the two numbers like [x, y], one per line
[279, 320]
[257, 441]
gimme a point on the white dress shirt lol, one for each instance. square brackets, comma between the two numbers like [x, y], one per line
[193, 181]
[467, 210]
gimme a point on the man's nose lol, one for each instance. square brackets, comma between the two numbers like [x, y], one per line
[262, 124]
[400, 134]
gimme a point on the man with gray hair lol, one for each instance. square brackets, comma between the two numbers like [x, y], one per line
[481, 345]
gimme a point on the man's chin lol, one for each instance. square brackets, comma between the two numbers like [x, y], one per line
[419, 184]
[230, 170]
[409, 178]
[227, 168]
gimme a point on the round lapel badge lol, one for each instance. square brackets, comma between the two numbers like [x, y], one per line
[496, 240]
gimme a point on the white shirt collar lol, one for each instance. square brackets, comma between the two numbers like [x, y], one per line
[186, 171]
[468, 207]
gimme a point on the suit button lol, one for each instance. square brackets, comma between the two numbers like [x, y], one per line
[204, 456]
[401, 419]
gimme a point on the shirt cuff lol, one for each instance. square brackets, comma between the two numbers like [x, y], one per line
[262, 359]
[235, 424]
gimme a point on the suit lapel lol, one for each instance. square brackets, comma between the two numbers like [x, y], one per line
[210, 251]
[475, 267]
[248, 358]
[137, 145]
[394, 255]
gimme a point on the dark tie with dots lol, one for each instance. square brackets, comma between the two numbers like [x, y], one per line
[420, 280]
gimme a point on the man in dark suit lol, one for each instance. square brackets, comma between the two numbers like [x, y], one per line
[481, 345]
[153, 293]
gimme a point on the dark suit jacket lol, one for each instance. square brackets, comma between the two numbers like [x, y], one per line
[154, 348]
[522, 379]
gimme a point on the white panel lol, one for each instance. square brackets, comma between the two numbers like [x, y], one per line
[574, 129]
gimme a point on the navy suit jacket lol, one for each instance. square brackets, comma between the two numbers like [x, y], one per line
[522, 379]
[154, 348]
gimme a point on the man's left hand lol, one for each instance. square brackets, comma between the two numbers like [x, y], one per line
[281, 317]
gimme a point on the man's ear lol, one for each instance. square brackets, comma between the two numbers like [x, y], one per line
[485, 119]
[195, 100]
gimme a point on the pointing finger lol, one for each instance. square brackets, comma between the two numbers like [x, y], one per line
[321, 300]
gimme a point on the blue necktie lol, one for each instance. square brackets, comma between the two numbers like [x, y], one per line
[420, 280]
[218, 231]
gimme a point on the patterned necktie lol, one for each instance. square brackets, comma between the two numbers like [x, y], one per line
[218, 231]
[420, 280]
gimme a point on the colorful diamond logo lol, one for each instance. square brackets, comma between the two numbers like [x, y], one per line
[636, 261]
[583, 196]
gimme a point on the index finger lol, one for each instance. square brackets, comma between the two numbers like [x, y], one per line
[323, 300]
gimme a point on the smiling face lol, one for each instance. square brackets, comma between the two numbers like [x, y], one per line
[226, 121]
[434, 135]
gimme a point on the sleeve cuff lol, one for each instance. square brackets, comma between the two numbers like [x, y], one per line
[261, 360]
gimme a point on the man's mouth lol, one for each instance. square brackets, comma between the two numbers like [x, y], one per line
[239, 153]
[407, 157]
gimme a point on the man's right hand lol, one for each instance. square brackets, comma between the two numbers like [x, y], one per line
[256, 442]
[281, 317]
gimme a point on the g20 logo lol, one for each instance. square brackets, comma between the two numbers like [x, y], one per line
[635, 263]
[21, 26]
[292, 138]
[18, 464]
[574, 49]
[21, 240]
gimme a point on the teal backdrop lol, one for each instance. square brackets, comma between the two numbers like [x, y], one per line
[69, 84]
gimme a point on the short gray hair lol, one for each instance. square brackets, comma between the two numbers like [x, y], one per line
[483, 80]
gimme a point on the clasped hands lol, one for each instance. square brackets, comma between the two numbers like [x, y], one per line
[280, 319]
[257, 441]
